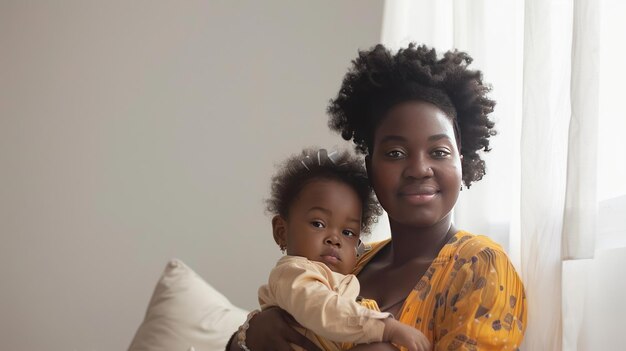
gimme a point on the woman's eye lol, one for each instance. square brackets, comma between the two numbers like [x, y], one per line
[317, 224]
[441, 153]
[395, 154]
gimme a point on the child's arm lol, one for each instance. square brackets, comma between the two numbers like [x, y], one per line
[303, 290]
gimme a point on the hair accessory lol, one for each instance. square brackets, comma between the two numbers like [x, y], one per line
[360, 249]
[323, 157]
[331, 156]
[307, 158]
[241, 332]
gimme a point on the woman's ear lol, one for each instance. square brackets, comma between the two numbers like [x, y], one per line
[279, 229]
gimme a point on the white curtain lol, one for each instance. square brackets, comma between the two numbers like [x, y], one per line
[539, 196]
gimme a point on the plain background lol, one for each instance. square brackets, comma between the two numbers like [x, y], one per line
[132, 132]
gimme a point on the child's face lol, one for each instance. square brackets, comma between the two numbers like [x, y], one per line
[324, 225]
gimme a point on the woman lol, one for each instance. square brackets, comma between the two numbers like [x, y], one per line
[421, 122]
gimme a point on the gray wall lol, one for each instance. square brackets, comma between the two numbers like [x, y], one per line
[132, 132]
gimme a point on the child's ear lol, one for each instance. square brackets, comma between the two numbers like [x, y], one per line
[279, 229]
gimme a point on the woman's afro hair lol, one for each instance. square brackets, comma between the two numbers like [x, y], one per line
[316, 164]
[379, 80]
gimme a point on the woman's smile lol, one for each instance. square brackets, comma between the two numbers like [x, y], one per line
[419, 199]
[416, 194]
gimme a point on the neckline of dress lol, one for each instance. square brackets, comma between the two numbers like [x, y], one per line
[374, 248]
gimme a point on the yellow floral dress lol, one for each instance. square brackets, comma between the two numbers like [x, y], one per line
[470, 298]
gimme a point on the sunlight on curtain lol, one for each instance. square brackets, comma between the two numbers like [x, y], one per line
[545, 121]
[612, 144]
[581, 204]
[593, 307]
[612, 126]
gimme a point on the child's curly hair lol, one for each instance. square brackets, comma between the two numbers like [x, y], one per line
[315, 164]
[380, 80]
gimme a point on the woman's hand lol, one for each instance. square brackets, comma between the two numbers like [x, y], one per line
[405, 335]
[376, 346]
[272, 330]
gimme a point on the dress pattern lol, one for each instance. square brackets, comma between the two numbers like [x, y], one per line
[470, 298]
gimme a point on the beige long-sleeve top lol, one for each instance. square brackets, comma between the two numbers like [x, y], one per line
[322, 301]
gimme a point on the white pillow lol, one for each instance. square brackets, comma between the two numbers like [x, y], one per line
[186, 313]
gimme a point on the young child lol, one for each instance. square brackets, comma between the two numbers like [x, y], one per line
[321, 202]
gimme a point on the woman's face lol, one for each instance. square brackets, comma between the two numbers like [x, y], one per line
[415, 166]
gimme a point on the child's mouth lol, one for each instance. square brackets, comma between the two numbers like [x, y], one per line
[330, 259]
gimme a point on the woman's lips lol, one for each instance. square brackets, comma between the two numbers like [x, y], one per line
[418, 195]
[418, 199]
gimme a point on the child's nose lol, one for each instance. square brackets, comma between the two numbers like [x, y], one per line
[333, 240]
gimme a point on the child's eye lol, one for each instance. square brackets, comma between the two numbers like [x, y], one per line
[349, 233]
[317, 224]
[395, 154]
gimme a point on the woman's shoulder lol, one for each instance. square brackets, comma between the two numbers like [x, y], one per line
[367, 252]
[466, 245]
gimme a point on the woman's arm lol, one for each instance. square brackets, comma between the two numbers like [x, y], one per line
[376, 346]
[485, 307]
[271, 330]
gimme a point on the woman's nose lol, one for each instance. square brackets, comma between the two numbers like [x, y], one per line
[418, 167]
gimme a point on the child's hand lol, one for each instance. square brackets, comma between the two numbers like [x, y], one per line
[404, 335]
